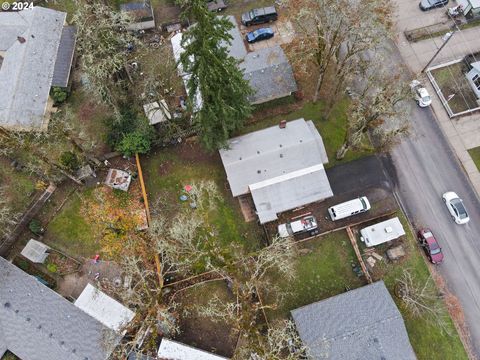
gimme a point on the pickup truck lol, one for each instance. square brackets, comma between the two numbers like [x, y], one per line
[307, 224]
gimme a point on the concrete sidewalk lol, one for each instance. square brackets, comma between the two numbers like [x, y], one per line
[463, 133]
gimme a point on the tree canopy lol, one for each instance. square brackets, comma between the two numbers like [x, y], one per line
[215, 77]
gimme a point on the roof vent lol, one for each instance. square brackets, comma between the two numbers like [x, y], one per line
[7, 304]
[281, 155]
[259, 171]
[258, 152]
[388, 229]
[21, 39]
[283, 124]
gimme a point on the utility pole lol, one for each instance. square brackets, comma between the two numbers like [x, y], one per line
[439, 49]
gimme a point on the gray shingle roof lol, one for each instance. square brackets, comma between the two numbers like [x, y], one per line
[63, 63]
[282, 168]
[269, 74]
[360, 324]
[39, 324]
[237, 48]
[30, 40]
[140, 11]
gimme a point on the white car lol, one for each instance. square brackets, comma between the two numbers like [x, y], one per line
[456, 207]
[420, 93]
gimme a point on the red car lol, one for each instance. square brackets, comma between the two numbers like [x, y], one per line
[431, 246]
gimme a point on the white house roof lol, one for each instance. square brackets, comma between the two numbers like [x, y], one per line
[281, 168]
[103, 308]
[382, 232]
[296, 188]
[29, 42]
[271, 152]
[172, 350]
[35, 251]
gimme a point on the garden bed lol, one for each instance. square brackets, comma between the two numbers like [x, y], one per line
[455, 87]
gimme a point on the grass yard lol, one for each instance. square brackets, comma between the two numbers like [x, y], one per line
[452, 81]
[332, 129]
[19, 186]
[475, 154]
[323, 272]
[167, 171]
[70, 231]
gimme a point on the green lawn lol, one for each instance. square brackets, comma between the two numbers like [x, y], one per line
[70, 232]
[332, 129]
[475, 154]
[324, 272]
[19, 186]
[166, 172]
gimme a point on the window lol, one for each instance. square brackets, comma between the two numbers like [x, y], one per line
[476, 81]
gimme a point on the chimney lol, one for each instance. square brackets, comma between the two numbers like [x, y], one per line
[283, 124]
[21, 39]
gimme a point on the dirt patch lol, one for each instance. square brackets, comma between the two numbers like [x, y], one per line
[207, 335]
[192, 151]
[72, 285]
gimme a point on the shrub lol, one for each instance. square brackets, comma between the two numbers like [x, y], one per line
[70, 160]
[35, 227]
[59, 95]
[52, 267]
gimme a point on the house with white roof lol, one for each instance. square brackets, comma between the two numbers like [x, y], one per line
[473, 77]
[36, 53]
[281, 168]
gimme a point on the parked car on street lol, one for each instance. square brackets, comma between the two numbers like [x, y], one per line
[307, 224]
[420, 94]
[431, 246]
[216, 5]
[259, 35]
[426, 5]
[259, 16]
[456, 207]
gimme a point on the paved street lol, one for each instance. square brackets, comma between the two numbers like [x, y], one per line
[424, 167]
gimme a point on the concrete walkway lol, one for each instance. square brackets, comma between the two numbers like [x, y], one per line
[463, 133]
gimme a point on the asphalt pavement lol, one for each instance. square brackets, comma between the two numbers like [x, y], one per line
[422, 168]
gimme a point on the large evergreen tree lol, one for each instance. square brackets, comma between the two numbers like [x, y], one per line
[214, 76]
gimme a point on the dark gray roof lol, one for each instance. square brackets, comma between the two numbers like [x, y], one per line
[36, 323]
[63, 63]
[269, 73]
[360, 324]
[237, 48]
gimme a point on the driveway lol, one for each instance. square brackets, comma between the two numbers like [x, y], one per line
[422, 168]
[409, 16]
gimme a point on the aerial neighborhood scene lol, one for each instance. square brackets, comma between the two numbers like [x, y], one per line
[239, 179]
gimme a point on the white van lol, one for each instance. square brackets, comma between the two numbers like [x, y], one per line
[349, 208]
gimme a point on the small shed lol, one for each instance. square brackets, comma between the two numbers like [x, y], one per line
[35, 251]
[170, 349]
[141, 13]
[382, 232]
[118, 179]
[470, 8]
[157, 112]
[105, 309]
